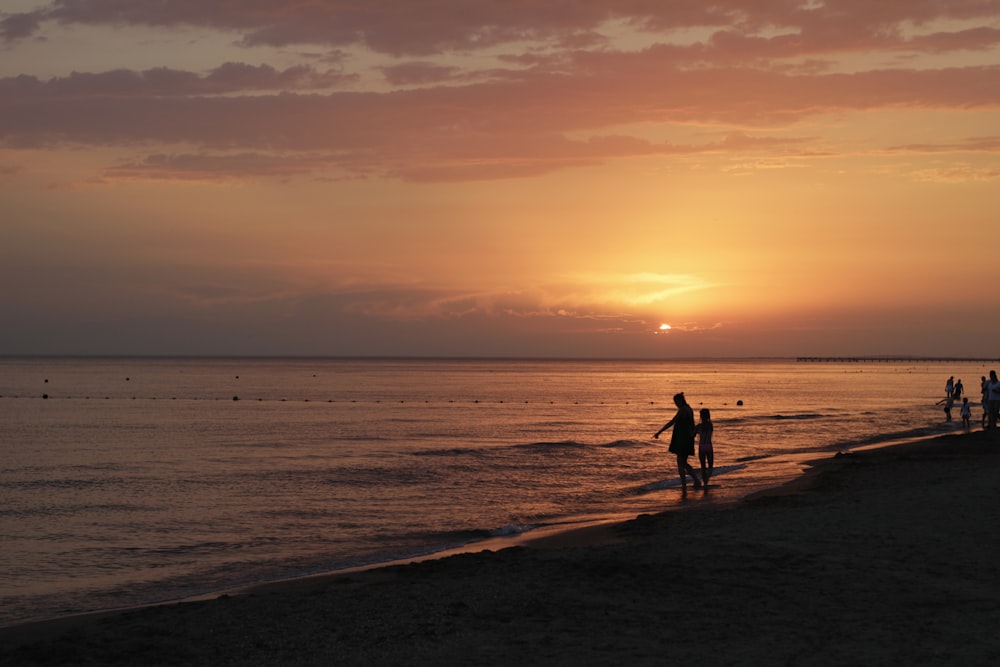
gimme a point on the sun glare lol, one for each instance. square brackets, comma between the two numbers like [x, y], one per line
[664, 327]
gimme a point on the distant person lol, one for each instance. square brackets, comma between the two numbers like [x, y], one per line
[959, 388]
[949, 386]
[993, 400]
[682, 439]
[705, 453]
[984, 389]
[966, 413]
[948, 402]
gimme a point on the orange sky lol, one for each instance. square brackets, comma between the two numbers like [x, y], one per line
[519, 178]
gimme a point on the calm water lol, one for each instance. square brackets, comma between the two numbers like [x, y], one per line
[143, 480]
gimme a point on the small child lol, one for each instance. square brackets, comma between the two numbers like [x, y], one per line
[705, 453]
[966, 412]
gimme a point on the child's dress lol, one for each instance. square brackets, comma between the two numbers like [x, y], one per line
[705, 437]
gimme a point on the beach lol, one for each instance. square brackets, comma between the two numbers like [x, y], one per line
[881, 556]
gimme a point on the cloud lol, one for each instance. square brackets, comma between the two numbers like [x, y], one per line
[971, 145]
[164, 82]
[958, 173]
[973, 39]
[405, 28]
[457, 132]
[571, 91]
[621, 299]
[481, 158]
[9, 171]
[217, 168]
[418, 73]
[20, 26]
[624, 299]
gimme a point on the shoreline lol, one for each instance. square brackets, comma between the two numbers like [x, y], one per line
[578, 530]
[563, 531]
[848, 516]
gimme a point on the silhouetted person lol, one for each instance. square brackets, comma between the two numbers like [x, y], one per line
[993, 400]
[959, 388]
[949, 386]
[966, 413]
[682, 439]
[705, 452]
[984, 390]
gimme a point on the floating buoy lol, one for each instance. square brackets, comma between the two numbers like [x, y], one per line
[739, 402]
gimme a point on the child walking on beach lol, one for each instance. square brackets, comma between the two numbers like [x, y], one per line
[966, 412]
[705, 452]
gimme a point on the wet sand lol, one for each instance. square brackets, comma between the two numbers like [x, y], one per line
[886, 556]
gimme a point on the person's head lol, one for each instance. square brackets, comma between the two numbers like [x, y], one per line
[993, 375]
[679, 399]
[965, 399]
[706, 414]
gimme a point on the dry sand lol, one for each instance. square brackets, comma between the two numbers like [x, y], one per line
[883, 557]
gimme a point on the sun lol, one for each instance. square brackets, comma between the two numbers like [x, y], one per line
[664, 327]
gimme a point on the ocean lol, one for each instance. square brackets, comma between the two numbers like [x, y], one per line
[133, 481]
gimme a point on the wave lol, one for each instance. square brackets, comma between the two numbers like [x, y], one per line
[808, 415]
[550, 445]
[511, 529]
[450, 451]
[62, 484]
[907, 434]
[754, 419]
[572, 444]
[676, 481]
[49, 511]
[456, 538]
[624, 443]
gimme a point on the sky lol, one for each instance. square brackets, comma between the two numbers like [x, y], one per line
[515, 178]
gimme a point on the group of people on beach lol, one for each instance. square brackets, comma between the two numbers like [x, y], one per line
[682, 441]
[990, 389]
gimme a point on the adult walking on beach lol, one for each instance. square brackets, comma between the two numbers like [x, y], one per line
[985, 391]
[993, 400]
[682, 439]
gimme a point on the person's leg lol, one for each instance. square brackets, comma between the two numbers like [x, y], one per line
[711, 465]
[694, 475]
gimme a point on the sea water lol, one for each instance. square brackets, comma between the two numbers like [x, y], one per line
[134, 481]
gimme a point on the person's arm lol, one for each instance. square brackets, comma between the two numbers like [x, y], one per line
[665, 427]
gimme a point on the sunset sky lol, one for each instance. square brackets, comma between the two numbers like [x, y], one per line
[512, 178]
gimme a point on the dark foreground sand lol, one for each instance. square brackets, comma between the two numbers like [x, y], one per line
[885, 557]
